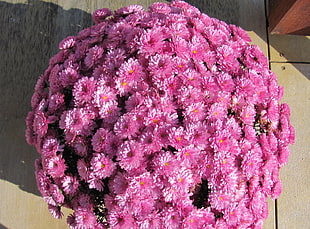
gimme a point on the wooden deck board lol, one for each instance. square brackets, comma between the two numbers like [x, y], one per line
[20, 209]
[18, 194]
[289, 48]
[294, 202]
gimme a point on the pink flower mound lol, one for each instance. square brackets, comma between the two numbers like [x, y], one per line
[164, 118]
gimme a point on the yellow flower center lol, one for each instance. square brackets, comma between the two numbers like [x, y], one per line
[166, 164]
[124, 84]
[141, 183]
[195, 51]
[103, 166]
[186, 153]
[180, 179]
[179, 138]
[131, 71]
[195, 111]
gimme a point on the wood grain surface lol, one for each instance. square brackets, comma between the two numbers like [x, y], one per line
[29, 35]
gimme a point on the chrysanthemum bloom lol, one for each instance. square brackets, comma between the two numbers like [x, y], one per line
[164, 118]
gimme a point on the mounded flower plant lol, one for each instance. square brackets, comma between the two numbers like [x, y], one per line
[164, 118]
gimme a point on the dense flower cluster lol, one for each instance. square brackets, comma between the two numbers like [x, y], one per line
[164, 118]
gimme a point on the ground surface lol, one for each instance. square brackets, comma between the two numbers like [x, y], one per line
[29, 36]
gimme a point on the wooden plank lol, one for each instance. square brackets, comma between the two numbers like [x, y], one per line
[29, 37]
[90, 6]
[20, 209]
[252, 18]
[289, 48]
[289, 17]
[294, 202]
[270, 221]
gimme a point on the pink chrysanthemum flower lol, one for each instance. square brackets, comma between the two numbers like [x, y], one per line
[54, 197]
[50, 147]
[55, 211]
[55, 166]
[83, 201]
[171, 218]
[152, 41]
[154, 117]
[180, 45]
[69, 76]
[70, 184]
[160, 7]
[84, 218]
[130, 155]
[93, 55]
[131, 69]
[112, 144]
[199, 218]
[104, 95]
[224, 161]
[195, 112]
[40, 124]
[67, 43]
[80, 145]
[142, 184]
[188, 95]
[182, 178]
[198, 47]
[42, 179]
[219, 200]
[102, 166]
[77, 121]
[178, 137]
[120, 219]
[164, 163]
[252, 162]
[259, 206]
[221, 142]
[57, 102]
[99, 140]
[160, 66]
[101, 14]
[83, 91]
[150, 221]
[226, 82]
[95, 182]
[119, 184]
[128, 10]
[154, 139]
[125, 128]
[114, 60]
[83, 169]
